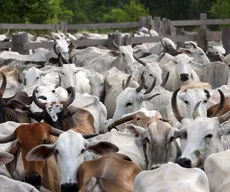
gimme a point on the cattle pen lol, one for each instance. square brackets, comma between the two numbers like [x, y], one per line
[165, 27]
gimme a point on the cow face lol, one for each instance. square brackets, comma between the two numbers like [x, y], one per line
[61, 47]
[151, 71]
[200, 138]
[183, 67]
[71, 150]
[96, 82]
[157, 142]
[190, 98]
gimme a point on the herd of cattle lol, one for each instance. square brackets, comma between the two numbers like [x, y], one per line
[142, 118]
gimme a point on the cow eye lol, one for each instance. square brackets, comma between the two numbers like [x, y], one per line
[45, 141]
[175, 62]
[186, 102]
[37, 77]
[102, 84]
[150, 75]
[129, 104]
[205, 101]
[53, 91]
[201, 53]
[209, 136]
[56, 151]
[82, 151]
[123, 54]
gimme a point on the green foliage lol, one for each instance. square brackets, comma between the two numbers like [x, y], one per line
[221, 9]
[29, 11]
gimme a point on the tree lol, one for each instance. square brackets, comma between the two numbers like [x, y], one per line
[28, 11]
[220, 9]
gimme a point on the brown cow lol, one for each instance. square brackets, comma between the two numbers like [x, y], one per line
[37, 173]
[113, 172]
[213, 109]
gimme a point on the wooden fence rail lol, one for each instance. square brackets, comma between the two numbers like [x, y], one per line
[164, 27]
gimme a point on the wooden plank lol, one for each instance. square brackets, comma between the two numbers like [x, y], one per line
[36, 45]
[201, 38]
[226, 39]
[200, 22]
[103, 25]
[30, 26]
[214, 36]
[5, 45]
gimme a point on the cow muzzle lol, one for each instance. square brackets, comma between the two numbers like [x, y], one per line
[185, 162]
[33, 179]
[69, 187]
[184, 77]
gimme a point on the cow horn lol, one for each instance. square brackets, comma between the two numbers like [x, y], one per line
[88, 136]
[124, 85]
[151, 87]
[3, 87]
[54, 48]
[56, 132]
[59, 81]
[175, 109]
[8, 138]
[153, 96]
[207, 93]
[121, 121]
[60, 61]
[221, 104]
[196, 110]
[193, 45]
[140, 61]
[115, 45]
[8, 31]
[141, 86]
[165, 80]
[36, 101]
[125, 39]
[71, 97]
[161, 55]
[224, 117]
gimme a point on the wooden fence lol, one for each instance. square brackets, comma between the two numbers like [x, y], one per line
[164, 27]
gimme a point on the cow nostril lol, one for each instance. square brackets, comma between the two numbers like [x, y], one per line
[69, 187]
[33, 179]
[184, 162]
[184, 77]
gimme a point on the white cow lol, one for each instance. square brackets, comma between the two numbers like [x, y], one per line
[217, 167]
[202, 136]
[171, 177]
[180, 72]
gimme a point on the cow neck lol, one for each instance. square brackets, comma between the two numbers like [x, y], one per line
[48, 119]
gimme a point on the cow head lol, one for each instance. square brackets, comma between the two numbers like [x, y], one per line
[61, 48]
[196, 53]
[29, 136]
[130, 99]
[157, 142]
[201, 137]
[96, 81]
[54, 111]
[71, 150]
[183, 67]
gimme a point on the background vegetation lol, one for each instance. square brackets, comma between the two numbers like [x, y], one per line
[98, 11]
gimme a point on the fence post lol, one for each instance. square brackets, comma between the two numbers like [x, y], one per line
[63, 27]
[166, 29]
[201, 38]
[157, 24]
[146, 22]
[180, 31]
[116, 37]
[226, 39]
[203, 16]
[18, 40]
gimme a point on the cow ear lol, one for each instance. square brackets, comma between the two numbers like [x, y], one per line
[5, 158]
[114, 53]
[41, 152]
[135, 130]
[102, 148]
[182, 134]
[15, 151]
